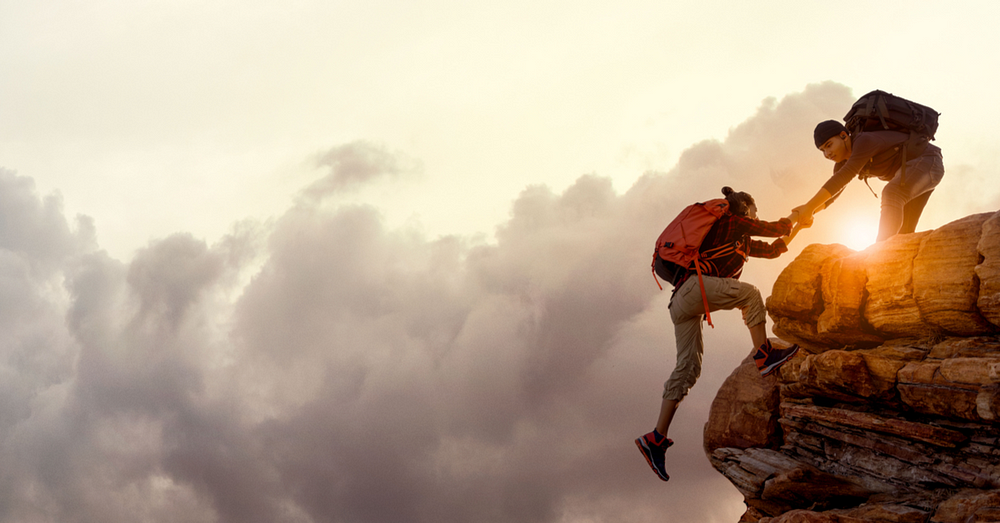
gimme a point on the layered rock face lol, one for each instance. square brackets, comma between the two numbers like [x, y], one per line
[891, 413]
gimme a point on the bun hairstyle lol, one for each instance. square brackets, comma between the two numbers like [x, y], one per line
[739, 202]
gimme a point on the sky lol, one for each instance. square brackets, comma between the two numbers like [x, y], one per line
[388, 261]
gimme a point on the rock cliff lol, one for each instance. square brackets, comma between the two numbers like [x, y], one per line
[891, 413]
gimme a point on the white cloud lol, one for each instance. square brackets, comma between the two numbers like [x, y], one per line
[324, 367]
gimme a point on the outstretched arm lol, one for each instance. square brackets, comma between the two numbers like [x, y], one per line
[806, 210]
[759, 249]
[795, 230]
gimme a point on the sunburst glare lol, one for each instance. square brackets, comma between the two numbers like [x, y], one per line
[858, 234]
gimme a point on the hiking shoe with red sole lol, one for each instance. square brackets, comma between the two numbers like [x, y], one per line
[655, 454]
[770, 359]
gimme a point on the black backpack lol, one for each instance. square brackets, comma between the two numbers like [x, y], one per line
[879, 110]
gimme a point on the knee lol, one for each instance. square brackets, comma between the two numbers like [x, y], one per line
[675, 394]
[688, 370]
[685, 374]
[753, 316]
[893, 196]
[680, 383]
[754, 311]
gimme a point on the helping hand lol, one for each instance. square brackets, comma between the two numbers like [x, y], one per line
[802, 216]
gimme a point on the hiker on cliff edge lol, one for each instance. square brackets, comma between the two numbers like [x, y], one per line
[730, 238]
[877, 153]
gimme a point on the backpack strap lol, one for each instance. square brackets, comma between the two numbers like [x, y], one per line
[704, 297]
[652, 268]
[868, 110]
[701, 283]
[865, 179]
[902, 166]
[719, 252]
[882, 111]
[711, 254]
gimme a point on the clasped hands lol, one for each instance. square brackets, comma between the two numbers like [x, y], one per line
[801, 217]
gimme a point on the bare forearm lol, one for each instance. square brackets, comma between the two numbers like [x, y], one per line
[817, 202]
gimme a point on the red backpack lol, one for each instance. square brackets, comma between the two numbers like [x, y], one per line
[678, 244]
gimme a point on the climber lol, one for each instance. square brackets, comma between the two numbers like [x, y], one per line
[876, 153]
[724, 291]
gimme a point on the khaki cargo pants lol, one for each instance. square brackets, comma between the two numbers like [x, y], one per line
[686, 311]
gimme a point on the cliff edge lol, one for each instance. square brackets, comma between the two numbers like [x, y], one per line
[891, 413]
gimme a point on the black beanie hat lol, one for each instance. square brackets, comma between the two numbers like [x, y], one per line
[826, 130]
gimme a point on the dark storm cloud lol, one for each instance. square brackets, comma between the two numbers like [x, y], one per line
[326, 368]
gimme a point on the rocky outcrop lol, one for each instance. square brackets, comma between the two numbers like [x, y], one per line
[891, 413]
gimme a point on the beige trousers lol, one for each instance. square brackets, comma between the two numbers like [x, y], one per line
[687, 310]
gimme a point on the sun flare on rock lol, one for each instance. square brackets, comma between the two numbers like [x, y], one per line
[859, 233]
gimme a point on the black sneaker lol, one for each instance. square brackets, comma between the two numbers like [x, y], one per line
[770, 359]
[655, 454]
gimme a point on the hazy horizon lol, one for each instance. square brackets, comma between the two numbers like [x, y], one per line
[390, 262]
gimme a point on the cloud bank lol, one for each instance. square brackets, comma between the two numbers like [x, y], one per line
[325, 368]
